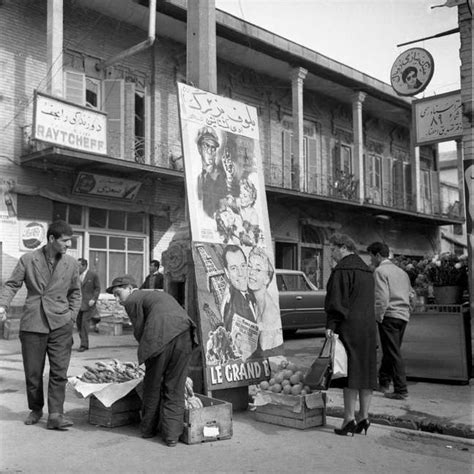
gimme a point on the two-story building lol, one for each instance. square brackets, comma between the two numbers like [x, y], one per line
[337, 144]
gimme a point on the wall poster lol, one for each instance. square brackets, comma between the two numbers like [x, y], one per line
[232, 247]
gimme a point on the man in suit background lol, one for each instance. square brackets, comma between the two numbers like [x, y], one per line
[154, 281]
[90, 287]
[52, 303]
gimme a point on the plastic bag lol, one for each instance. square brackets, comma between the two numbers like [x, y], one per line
[339, 359]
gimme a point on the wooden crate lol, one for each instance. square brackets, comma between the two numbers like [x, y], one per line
[211, 423]
[123, 412]
[293, 411]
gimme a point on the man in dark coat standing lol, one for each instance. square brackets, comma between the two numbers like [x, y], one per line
[166, 337]
[53, 300]
[153, 281]
[90, 287]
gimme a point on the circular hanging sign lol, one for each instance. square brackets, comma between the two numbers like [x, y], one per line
[412, 71]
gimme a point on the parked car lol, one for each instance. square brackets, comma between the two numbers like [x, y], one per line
[301, 303]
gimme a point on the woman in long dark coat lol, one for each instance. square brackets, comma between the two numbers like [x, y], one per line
[349, 307]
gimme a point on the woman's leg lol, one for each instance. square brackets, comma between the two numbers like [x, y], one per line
[350, 399]
[365, 396]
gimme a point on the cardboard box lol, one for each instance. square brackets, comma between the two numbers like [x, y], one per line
[294, 411]
[123, 412]
[211, 423]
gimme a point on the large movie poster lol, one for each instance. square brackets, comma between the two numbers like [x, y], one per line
[232, 248]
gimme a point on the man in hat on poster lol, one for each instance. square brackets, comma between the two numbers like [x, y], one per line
[166, 337]
[217, 178]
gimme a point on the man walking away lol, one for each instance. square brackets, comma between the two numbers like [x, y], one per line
[392, 312]
[90, 287]
[52, 303]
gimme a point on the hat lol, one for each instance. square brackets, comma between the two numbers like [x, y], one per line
[209, 133]
[121, 281]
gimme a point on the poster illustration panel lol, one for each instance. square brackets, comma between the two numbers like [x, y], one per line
[232, 251]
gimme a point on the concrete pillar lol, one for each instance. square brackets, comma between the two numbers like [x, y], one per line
[54, 48]
[201, 60]
[298, 75]
[357, 100]
[417, 204]
[459, 154]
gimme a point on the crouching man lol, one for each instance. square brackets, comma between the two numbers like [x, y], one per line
[166, 337]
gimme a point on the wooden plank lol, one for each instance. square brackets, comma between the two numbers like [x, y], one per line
[309, 422]
[111, 420]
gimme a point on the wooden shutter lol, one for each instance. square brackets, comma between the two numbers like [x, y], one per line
[129, 122]
[113, 99]
[409, 198]
[435, 192]
[386, 181]
[312, 178]
[286, 159]
[398, 192]
[75, 87]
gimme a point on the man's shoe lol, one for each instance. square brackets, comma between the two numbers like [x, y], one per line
[383, 388]
[396, 395]
[34, 417]
[58, 422]
[82, 349]
[171, 443]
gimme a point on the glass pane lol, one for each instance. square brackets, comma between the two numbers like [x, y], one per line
[135, 267]
[116, 265]
[117, 243]
[135, 222]
[311, 265]
[117, 220]
[98, 264]
[75, 214]
[135, 245]
[97, 217]
[59, 211]
[98, 241]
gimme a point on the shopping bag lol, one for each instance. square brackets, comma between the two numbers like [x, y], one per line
[339, 359]
[320, 373]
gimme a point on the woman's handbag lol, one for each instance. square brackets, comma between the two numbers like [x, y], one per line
[339, 359]
[320, 374]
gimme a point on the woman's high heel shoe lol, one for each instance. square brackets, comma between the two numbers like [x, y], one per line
[362, 425]
[349, 427]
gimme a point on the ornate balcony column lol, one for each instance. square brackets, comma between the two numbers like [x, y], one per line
[297, 76]
[357, 100]
[417, 203]
[54, 47]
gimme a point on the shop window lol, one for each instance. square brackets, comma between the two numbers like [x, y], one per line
[71, 213]
[97, 218]
[135, 222]
[117, 220]
[285, 255]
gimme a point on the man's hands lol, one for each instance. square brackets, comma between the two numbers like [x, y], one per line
[329, 333]
[3, 314]
[91, 303]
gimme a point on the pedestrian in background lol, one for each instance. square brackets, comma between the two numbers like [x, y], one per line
[90, 288]
[53, 300]
[166, 336]
[349, 306]
[154, 281]
[393, 292]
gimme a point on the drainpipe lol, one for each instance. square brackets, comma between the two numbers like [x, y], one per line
[138, 47]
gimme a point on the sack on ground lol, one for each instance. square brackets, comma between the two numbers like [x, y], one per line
[339, 361]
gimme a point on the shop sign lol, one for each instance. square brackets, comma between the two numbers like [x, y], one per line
[68, 125]
[106, 186]
[32, 235]
[438, 119]
[412, 71]
[232, 249]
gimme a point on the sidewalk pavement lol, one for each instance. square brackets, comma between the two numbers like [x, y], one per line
[431, 407]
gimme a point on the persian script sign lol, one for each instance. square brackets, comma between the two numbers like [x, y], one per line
[412, 71]
[69, 125]
[438, 119]
[106, 186]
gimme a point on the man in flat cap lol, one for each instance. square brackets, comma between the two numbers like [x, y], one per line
[166, 337]
[216, 180]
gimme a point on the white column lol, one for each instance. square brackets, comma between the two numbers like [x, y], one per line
[415, 173]
[357, 100]
[297, 76]
[54, 47]
[459, 150]
[201, 60]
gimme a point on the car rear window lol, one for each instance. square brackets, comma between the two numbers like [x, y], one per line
[292, 283]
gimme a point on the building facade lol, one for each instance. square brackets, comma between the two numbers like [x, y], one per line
[337, 145]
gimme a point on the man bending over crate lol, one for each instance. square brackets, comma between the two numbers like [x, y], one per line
[166, 337]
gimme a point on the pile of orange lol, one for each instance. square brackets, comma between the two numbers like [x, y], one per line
[287, 380]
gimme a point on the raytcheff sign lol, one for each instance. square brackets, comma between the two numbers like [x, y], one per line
[69, 125]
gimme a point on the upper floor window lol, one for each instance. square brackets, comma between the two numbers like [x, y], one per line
[116, 220]
[70, 213]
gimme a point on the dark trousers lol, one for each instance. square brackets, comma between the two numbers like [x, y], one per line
[83, 322]
[392, 368]
[57, 345]
[163, 389]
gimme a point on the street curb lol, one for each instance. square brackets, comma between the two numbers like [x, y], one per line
[423, 424]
